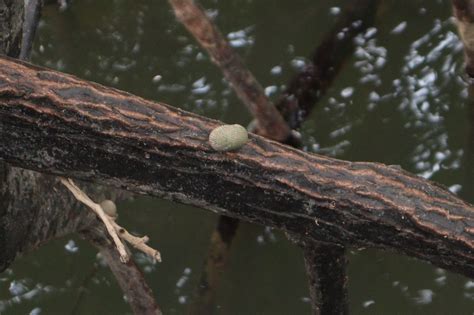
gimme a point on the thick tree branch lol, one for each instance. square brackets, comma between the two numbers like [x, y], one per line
[58, 124]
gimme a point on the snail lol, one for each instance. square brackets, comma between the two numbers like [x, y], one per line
[109, 208]
[228, 137]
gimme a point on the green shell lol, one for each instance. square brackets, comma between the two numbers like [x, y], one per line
[228, 137]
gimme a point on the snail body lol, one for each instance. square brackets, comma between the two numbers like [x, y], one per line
[228, 137]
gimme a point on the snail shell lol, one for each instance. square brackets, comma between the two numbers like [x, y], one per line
[228, 137]
[109, 208]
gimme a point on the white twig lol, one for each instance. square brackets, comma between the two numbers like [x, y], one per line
[116, 231]
[82, 197]
[138, 242]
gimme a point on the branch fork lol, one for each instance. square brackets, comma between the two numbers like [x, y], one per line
[115, 231]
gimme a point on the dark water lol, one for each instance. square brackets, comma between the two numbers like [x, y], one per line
[399, 100]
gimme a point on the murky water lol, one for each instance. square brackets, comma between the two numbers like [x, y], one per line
[399, 100]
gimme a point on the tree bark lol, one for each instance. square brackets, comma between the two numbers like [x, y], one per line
[58, 124]
[326, 264]
[11, 27]
[464, 12]
[29, 212]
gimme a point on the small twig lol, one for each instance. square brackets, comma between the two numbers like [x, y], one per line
[82, 197]
[116, 231]
[137, 242]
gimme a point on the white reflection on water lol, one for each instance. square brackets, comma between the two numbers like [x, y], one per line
[147, 263]
[180, 285]
[241, 38]
[35, 311]
[21, 291]
[424, 296]
[276, 70]
[399, 28]
[71, 247]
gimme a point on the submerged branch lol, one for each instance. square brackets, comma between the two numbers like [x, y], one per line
[337, 46]
[129, 277]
